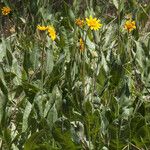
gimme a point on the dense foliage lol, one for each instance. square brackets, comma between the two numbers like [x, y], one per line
[66, 85]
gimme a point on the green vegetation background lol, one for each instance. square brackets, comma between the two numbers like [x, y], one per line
[54, 98]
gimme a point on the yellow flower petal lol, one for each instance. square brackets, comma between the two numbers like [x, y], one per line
[130, 25]
[93, 23]
[79, 22]
[52, 32]
[6, 10]
[41, 28]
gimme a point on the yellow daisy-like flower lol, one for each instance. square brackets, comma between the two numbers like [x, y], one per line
[81, 44]
[41, 28]
[6, 10]
[130, 25]
[79, 22]
[52, 32]
[93, 23]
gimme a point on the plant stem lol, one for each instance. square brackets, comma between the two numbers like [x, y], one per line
[42, 68]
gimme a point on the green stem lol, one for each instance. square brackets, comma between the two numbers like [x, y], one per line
[42, 69]
[119, 46]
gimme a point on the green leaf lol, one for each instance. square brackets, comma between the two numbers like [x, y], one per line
[32, 142]
[3, 87]
[3, 102]
[52, 116]
[61, 133]
[104, 63]
[9, 57]
[139, 53]
[116, 3]
[26, 114]
[35, 54]
[71, 15]
[49, 61]
[30, 90]
[2, 51]
[26, 61]
[7, 136]
[88, 107]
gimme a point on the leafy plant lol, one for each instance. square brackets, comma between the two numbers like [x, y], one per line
[74, 77]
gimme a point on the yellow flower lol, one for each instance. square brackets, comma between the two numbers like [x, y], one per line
[79, 22]
[6, 10]
[52, 32]
[81, 43]
[41, 28]
[93, 23]
[130, 25]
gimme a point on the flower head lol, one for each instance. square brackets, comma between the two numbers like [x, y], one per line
[93, 23]
[41, 28]
[81, 44]
[6, 11]
[130, 25]
[79, 22]
[52, 32]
